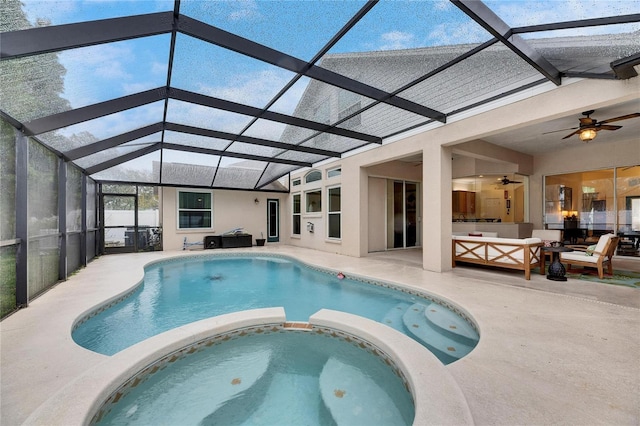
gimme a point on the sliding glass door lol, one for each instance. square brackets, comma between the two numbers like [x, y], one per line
[403, 216]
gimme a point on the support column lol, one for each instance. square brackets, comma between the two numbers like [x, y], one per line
[436, 208]
[22, 231]
[83, 222]
[62, 218]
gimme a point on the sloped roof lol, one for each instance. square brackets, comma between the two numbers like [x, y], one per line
[197, 87]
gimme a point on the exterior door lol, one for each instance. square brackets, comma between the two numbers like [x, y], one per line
[273, 220]
[403, 217]
[120, 223]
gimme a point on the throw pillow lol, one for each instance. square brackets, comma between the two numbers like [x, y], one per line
[590, 250]
[475, 234]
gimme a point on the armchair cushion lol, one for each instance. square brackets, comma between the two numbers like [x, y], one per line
[579, 256]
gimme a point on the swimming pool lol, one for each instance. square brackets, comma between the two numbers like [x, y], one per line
[182, 290]
[266, 375]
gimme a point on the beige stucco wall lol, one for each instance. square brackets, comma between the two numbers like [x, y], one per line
[231, 209]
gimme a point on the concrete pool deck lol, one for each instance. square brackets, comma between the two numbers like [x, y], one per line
[549, 352]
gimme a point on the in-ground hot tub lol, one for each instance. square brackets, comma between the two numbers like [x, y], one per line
[364, 363]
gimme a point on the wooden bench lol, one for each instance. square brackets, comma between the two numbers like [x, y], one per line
[512, 253]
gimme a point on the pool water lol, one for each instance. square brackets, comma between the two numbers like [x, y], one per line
[284, 378]
[180, 291]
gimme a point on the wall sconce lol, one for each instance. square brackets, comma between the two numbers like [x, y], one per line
[256, 201]
[587, 135]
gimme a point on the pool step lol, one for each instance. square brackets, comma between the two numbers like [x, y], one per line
[446, 348]
[393, 318]
[348, 394]
[231, 379]
[300, 410]
[451, 324]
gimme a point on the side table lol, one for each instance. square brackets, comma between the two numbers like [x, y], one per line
[556, 269]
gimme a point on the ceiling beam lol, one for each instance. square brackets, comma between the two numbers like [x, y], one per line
[624, 68]
[122, 159]
[210, 34]
[248, 139]
[491, 22]
[90, 112]
[123, 138]
[209, 151]
[599, 76]
[209, 101]
[582, 23]
[36, 41]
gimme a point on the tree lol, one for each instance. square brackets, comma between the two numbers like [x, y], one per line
[30, 87]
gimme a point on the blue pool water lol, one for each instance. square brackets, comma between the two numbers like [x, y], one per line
[280, 378]
[180, 291]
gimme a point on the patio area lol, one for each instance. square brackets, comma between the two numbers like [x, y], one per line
[549, 352]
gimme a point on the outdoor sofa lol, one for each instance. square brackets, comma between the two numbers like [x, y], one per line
[512, 253]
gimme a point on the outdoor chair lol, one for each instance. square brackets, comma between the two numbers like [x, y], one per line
[602, 254]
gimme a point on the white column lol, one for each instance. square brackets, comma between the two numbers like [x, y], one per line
[436, 208]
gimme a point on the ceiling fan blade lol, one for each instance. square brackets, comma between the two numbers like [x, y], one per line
[571, 134]
[622, 117]
[561, 130]
[608, 127]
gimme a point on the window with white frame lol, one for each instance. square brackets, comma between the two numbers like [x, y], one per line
[334, 213]
[296, 182]
[313, 201]
[296, 214]
[313, 176]
[334, 172]
[195, 210]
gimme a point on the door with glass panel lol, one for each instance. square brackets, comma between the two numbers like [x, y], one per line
[119, 219]
[130, 219]
[273, 220]
[403, 216]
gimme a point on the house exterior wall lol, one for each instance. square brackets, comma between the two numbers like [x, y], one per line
[437, 146]
[231, 209]
[364, 176]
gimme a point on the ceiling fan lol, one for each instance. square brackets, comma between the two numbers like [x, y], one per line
[588, 128]
[506, 181]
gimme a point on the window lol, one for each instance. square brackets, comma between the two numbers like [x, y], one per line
[295, 182]
[194, 210]
[314, 201]
[313, 176]
[334, 213]
[334, 172]
[296, 214]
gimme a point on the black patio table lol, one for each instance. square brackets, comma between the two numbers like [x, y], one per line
[556, 269]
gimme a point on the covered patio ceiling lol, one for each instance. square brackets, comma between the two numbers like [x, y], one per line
[236, 95]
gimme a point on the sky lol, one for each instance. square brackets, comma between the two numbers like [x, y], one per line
[297, 27]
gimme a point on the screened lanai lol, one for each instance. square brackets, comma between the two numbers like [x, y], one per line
[236, 95]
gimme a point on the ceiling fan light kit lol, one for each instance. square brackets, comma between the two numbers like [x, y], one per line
[588, 128]
[587, 134]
